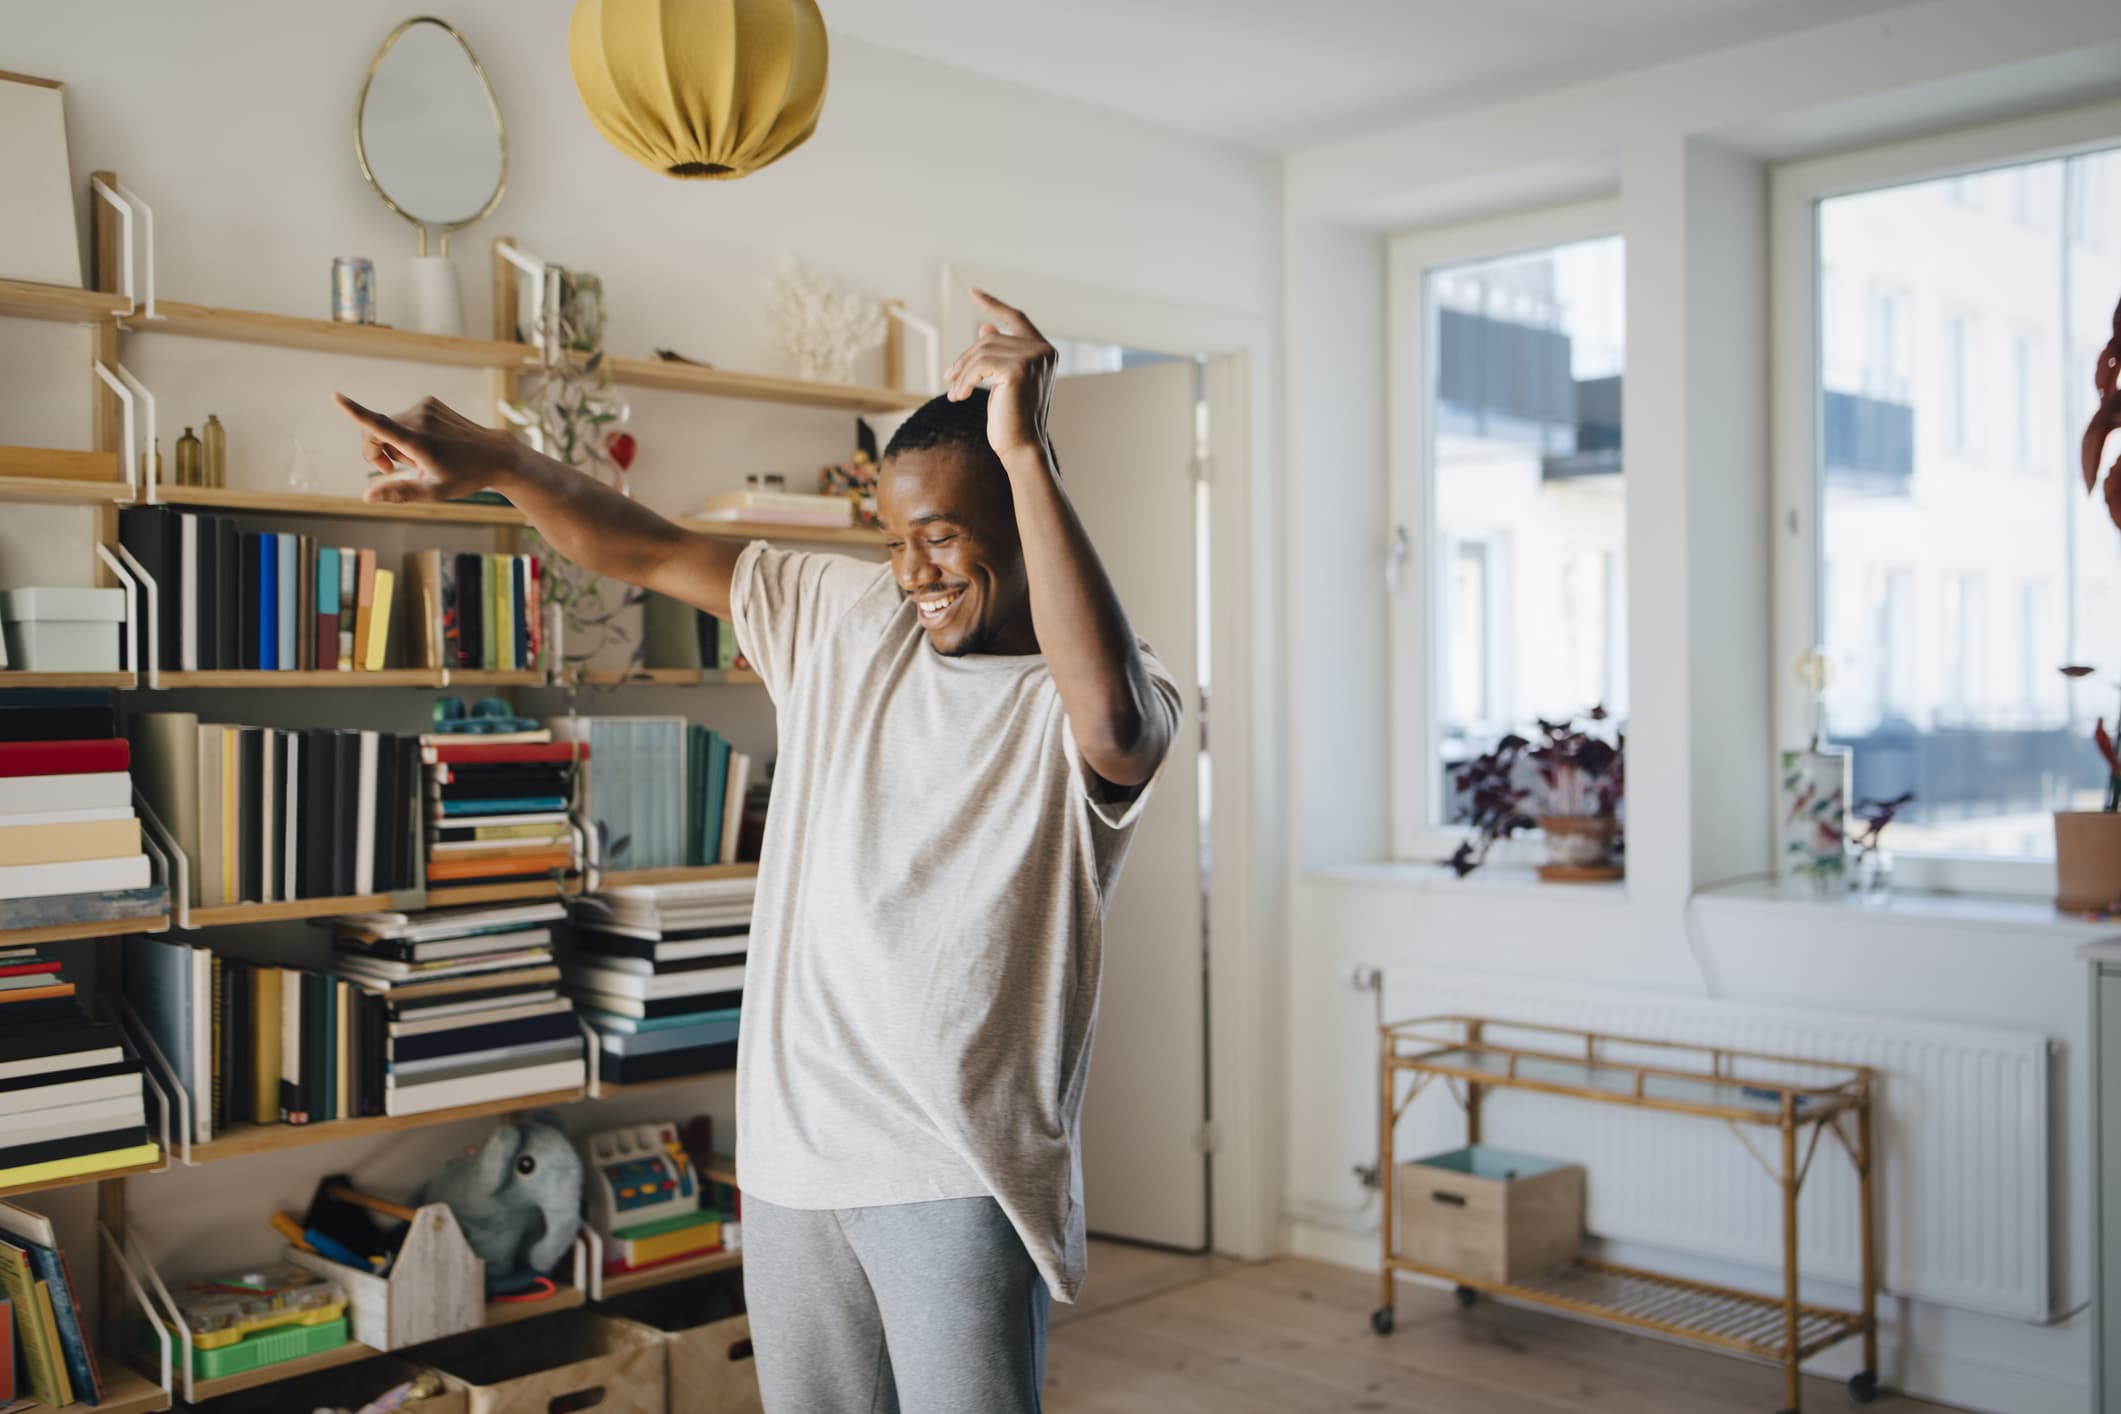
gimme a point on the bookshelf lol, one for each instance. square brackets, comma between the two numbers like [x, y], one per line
[235, 914]
[56, 491]
[670, 677]
[155, 1165]
[125, 1391]
[246, 1140]
[303, 503]
[25, 299]
[791, 534]
[351, 1353]
[285, 331]
[507, 1313]
[620, 1283]
[75, 932]
[309, 677]
[520, 891]
[608, 1091]
[665, 376]
[19, 679]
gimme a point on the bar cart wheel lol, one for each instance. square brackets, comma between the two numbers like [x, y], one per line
[1465, 1296]
[1381, 1320]
[1863, 1387]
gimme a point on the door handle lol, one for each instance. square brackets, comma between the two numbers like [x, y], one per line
[1396, 553]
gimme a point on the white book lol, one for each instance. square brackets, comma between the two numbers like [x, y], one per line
[733, 803]
[382, 970]
[290, 864]
[65, 817]
[449, 923]
[365, 819]
[66, 1121]
[492, 1016]
[479, 1089]
[650, 986]
[471, 1012]
[70, 1093]
[41, 795]
[475, 847]
[268, 792]
[188, 577]
[442, 949]
[64, 1060]
[290, 1034]
[78, 876]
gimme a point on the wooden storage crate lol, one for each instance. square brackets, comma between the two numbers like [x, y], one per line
[707, 1338]
[347, 1387]
[1488, 1214]
[569, 1360]
[436, 1286]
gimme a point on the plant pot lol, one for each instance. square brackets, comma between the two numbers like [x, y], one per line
[1579, 849]
[2087, 861]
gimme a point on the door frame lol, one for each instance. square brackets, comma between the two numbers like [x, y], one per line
[1245, 891]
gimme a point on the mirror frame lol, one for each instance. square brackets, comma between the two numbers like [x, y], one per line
[493, 105]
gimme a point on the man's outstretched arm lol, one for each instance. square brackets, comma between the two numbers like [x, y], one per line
[432, 453]
[1120, 725]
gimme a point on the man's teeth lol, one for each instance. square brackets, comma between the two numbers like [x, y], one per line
[936, 608]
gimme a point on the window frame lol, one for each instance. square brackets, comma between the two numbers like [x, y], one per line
[1414, 588]
[1795, 191]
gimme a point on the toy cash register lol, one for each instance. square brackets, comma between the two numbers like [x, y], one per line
[637, 1176]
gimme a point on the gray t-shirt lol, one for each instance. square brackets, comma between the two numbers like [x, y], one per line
[921, 986]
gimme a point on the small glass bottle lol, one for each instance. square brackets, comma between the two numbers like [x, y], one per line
[190, 460]
[216, 439]
[151, 463]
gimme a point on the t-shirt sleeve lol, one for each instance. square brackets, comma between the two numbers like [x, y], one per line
[1120, 812]
[783, 602]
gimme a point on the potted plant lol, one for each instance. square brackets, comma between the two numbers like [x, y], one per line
[2088, 842]
[1569, 785]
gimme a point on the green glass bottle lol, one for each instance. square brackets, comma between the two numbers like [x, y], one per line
[216, 440]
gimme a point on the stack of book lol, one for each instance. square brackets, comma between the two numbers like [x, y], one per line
[497, 805]
[71, 1099]
[43, 1303]
[492, 609]
[265, 815]
[461, 1006]
[232, 599]
[648, 813]
[68, 835]
[658, 973]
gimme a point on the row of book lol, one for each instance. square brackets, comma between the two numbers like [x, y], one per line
[664, 792]
[498, 806]
[226, 598]
[657, 972]
[269, 814]
[67, 827]
[71, 1099]
[676, 635]
[40, 1313]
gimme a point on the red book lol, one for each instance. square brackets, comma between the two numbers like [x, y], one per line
[7, 1349]
[23, 969]
[64, 758]
[477, 754]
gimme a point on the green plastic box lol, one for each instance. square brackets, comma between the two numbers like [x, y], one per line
[271, 1347]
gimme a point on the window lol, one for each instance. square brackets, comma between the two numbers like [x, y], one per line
[1947, 601]
[1508, 370]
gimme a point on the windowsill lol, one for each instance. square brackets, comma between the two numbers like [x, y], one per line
[1494, 880]
[1909, 906]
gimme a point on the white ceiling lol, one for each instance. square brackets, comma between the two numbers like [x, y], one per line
[1282, 74]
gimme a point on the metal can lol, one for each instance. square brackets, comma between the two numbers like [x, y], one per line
[353, 290]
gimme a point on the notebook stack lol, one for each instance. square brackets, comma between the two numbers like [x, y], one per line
[39, 1298]
[232, 599]
[265, 815]
[461, 1006]
[71, 1099]
[68, 837]
[658, 973]
[649, 813]
[492, 614]
[497, 806]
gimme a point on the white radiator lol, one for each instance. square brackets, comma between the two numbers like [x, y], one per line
[1961, 1131]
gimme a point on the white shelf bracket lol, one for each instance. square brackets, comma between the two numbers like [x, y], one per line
[132, 391]
[161, 1328]
[119, 566]
[125, 201]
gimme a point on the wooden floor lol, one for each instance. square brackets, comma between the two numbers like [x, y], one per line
[1156, 1334]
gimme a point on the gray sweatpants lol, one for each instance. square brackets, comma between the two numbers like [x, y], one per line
[907, 1308]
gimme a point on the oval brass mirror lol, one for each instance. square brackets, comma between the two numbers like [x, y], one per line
[428, 130]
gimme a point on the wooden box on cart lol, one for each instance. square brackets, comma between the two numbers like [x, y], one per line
[1488, 1213]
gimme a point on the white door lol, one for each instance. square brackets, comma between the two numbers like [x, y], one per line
[1125, 443]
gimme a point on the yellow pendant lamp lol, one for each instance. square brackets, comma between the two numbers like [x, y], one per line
[700, 88]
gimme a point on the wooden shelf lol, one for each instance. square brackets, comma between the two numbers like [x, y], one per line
[758, 387]
[302, 503]
[243, 326]
[14, 679]
[488, 677]
[686, 874]
[247, 1140]
[653, 1087]
[76, 1180]
[507, 1313]
[25, 299]
[351, 1353]
[125, 1391]
[668, 677]
[308, 677]
[49, 464]
[52, 491]
[74, 932]
[226, 915]
[619, 1283]
[793, 534]
[515, 891]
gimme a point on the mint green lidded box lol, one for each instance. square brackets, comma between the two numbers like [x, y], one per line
[63, 630]
[254, 1352]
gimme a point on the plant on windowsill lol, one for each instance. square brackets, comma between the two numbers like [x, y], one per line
[1872, 876]
[2088, 842]
[1569, 785]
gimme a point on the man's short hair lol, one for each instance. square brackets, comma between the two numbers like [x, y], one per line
[942, 423]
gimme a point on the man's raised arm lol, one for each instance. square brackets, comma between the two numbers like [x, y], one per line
[432, 453]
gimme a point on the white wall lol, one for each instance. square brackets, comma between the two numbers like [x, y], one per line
[1683, 148]
[234, 119]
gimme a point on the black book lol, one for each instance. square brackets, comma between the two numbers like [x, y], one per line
[15, 1014]
[206, 603]
[73, 1146]
[250, 776]
[471, 623]
[283, 887]
[665, 1065]
[346, 759]
[151, 534]
[520, 591]
[68, 1077]
[524, 1031]
[506, 784]
[247, 602]
[228, 569]
[58, 721]
[317, 813]
[70, 1036]
[408, 794]
[597, 943]
[413, 1008]
[235, 1105]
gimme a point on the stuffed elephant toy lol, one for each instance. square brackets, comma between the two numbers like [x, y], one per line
[518, 1198]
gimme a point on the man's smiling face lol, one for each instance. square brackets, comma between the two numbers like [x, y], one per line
[954, 549]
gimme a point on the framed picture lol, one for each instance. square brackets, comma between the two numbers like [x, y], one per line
[39, 240]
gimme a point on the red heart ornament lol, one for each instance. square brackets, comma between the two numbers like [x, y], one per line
[621, 446]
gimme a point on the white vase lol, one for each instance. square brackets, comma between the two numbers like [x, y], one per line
[435, 303]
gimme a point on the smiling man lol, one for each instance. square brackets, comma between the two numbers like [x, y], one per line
[967, 737]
